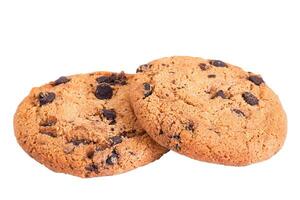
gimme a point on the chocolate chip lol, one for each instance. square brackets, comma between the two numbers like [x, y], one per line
[250, 98]
[161, 132]
[148, 90]
[90, 154]
[129, 134]
[49, 133]
[49, 122]
[120, 79]
[217, 63]
[147, 86]
[45, 98]
[61, 80]
[190, 126]
[219, 93]
[115, 140]
[92, 168]
[142, 68]
[203, 66]
[176, 137]
[239, 112]
[102, 147]
[177, 147]
[109, 114]
[112, 158]
[211, 76]
[256, 79]
[104, 91]
[112, 122]
[113, 79]
[104, 79]
[77, 142]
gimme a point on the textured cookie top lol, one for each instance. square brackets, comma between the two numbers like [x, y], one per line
[208, 110]
[84, 125]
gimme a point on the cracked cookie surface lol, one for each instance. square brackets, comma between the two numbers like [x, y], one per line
[84, 125]
[208, 110]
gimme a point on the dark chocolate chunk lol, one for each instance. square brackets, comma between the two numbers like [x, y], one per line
[49, 133]
[239, 112]
[116, 140]
[203, 66]
[104, 91]
[77, 142]
[61, 80]
[148, 90]
[112, 158]
[217, 63]
[45, 98]
[113, 79]
[219, 93]
[211, 76]
[161, 132]
[109, 114]
[256, 79]
[92, 168]
[250, 98]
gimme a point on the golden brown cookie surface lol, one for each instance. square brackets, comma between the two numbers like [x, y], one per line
[208, 110]
[84, 125]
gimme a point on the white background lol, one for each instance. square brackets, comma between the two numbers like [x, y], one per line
[42, 40]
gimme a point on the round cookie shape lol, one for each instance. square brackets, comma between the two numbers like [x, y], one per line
[208, 110]
[83, 125]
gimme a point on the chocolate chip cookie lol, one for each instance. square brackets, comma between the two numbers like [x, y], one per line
[84, 125]
[208, 110]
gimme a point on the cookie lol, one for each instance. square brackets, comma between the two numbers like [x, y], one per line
[84, 125]
[208, 110]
